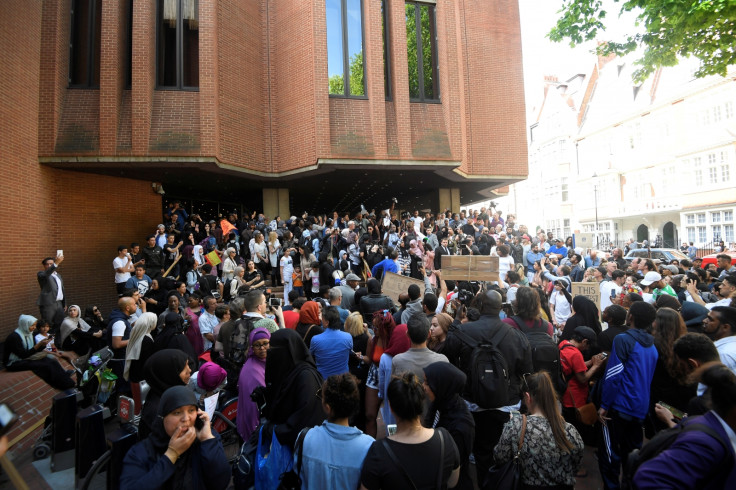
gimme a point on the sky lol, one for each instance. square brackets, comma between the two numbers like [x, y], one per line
[543, 57]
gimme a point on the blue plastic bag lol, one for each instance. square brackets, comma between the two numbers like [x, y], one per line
[272, 460]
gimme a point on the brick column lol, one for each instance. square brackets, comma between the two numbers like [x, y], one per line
[144, 73]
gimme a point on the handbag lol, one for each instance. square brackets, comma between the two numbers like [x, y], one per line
[292, 480]
[244, 469]
[507, 475]
[272, 460]
[586, 414]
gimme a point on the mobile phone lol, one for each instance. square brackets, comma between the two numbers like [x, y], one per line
[274, 302]
[391, 428]
[198, 423]
[59, 253]
[604, 355]
[678, 414]
[7, 418]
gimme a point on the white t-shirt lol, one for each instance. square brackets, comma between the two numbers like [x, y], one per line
[314, 276]
[118, 328]
[120, 276]
[418, 220]
[562, 306]
[606, 288]
[288, 264]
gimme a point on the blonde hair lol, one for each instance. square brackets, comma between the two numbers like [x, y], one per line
[273, 237]
[354, 324]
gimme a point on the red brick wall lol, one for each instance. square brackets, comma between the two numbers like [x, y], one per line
[242, 103]
[79, 127]
[175, 122]
[351, 133]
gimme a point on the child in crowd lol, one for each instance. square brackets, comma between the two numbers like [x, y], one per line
[296, 278]
[314, 278]
[43, 334]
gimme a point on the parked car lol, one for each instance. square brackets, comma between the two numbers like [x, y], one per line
[711, 259]
[664, 255]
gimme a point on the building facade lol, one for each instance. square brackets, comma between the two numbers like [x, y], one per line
[650, 162]
[266, 105]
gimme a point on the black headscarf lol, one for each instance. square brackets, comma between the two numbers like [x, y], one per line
[586, 315]
[286, 353]
[162, 369]
[173, 398]
[447, 382]
[172, 326]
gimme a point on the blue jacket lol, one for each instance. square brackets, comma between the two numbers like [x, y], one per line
[532, 257]
[144, 468]
[333, 456]
[694, 460]
[388, 265]
[629, 373]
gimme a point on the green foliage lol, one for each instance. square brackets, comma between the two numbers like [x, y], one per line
[427, 61]
[357, 79]
[337, 85]
[705, 29]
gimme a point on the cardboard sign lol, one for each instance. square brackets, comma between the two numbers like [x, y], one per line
[591, 290]
[584, 240]
[470, 267]
[395, 284]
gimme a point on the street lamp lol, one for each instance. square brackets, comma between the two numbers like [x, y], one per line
[595, 200]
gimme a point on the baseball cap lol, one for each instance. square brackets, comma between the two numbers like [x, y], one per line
[651, 277]
[586, 333]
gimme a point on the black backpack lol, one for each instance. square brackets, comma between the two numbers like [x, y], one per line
[662, 441]
[488, 375]
[239, 345]
[545, 353]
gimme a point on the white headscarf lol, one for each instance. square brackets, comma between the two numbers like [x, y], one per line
[143, 328]
[24, 331]
[71, 324]
[198, 255]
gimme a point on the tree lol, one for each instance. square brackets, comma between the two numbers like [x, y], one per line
[705, 29]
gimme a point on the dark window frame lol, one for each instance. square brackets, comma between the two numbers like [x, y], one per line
[179, 55]
[386, 58]
[346, 54]
[129, 48]
[93, 17]
[435, 61]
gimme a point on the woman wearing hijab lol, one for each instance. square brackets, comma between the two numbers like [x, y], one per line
[172, 336]
[177, 454]
[139, 349]
[398, 344]
[252, 375]
[20, 348]
[443, 384]
[93, 317]
[293, 399]
[310, 323]
[76, 334]
[164, 369]
[585, 314]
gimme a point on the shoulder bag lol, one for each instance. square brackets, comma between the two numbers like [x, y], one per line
[507, 475]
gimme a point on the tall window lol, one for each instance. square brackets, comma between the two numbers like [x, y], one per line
[84, 45]
[345, 60]
[384, 32]
[177, 60]
[421, 48]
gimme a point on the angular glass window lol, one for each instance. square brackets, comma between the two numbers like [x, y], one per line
[421, 50]
[177, 50]
[384, 37]
[84, 45]
[345, 63]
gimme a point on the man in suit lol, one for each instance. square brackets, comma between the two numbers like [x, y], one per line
[51, 301]
[441, 250]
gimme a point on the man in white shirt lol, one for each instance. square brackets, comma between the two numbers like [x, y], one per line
[208, 321]
[611, 287]
[123, 265]
[720, 326]
[287, 269]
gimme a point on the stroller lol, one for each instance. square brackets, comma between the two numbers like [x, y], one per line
[95, 384]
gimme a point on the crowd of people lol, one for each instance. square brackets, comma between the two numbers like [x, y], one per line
[335, 351]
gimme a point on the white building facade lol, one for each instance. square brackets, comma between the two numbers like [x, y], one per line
[652, 162]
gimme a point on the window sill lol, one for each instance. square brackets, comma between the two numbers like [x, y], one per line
[175, 89]
[355, 97]
[425, 101]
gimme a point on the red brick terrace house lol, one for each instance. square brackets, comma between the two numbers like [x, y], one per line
[284, 106]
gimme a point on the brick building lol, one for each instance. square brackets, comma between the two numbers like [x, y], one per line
[274, 105]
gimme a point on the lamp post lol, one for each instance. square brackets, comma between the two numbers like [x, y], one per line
[595, 200]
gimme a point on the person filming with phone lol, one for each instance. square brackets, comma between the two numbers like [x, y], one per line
[182, 450]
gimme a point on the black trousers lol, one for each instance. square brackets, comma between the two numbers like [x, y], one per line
[488, 429]
[48, 370]
[619, 437]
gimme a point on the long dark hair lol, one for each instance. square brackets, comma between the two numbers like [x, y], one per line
[540, 389]
[670, 327]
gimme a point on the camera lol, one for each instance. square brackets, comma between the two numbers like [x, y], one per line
[465, 297]
[274, 302]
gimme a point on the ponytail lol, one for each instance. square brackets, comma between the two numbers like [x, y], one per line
[539, 386]
[406, 396]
